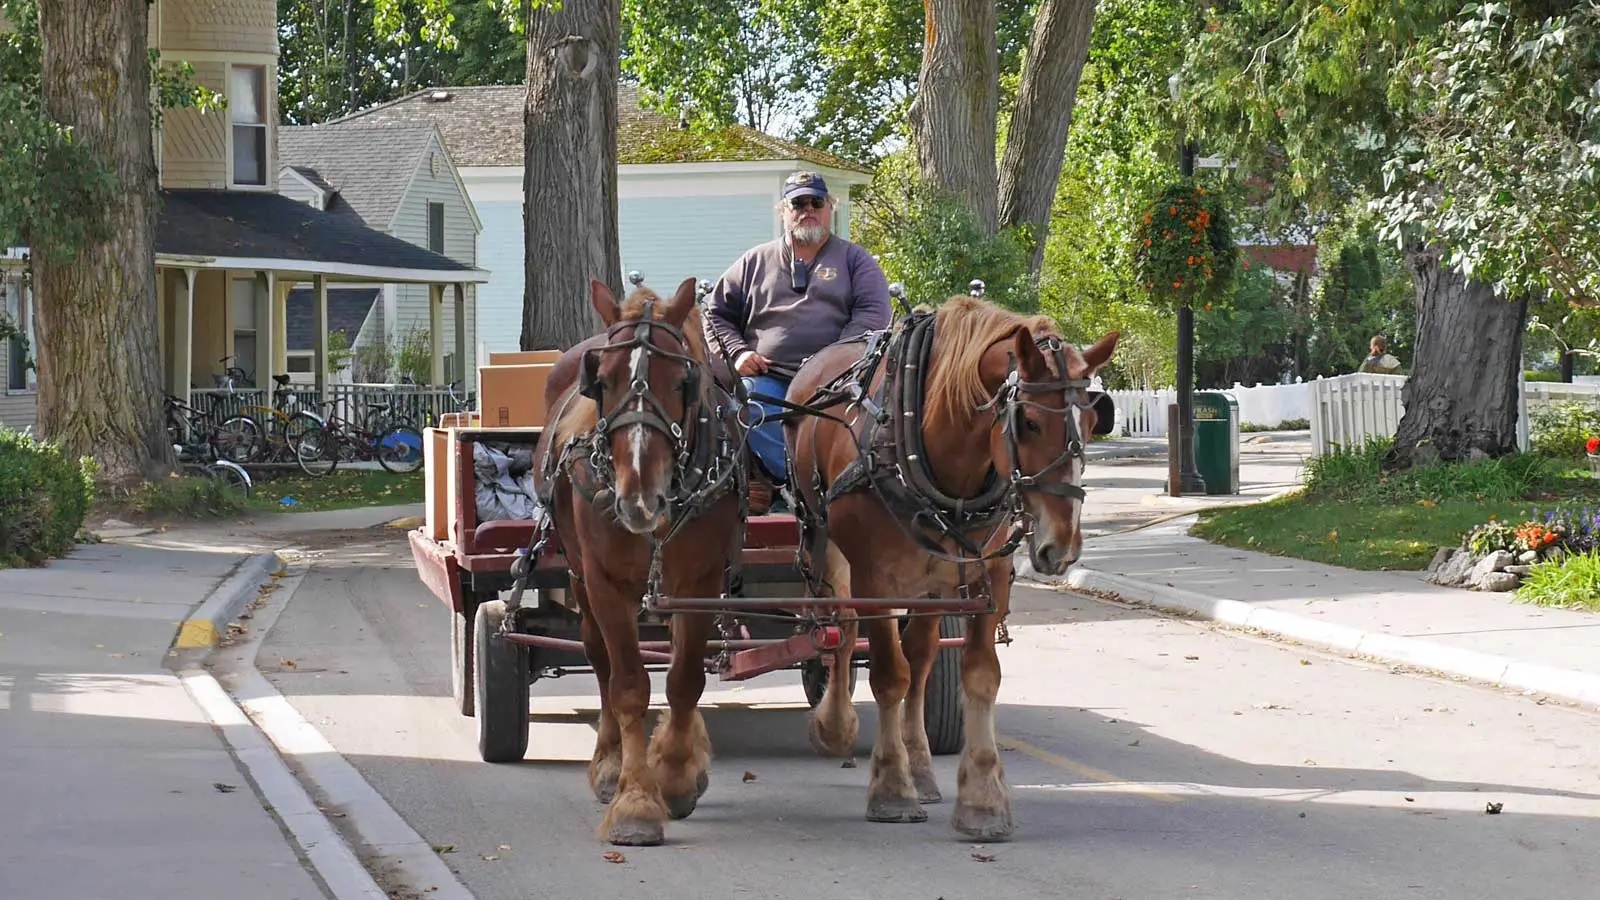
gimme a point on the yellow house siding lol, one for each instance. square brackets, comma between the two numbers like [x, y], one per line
[248, 26]
[194, 145]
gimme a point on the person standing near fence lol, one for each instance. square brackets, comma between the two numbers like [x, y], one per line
[1380, 361]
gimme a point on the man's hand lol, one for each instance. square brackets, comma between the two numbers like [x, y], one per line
[751, 363]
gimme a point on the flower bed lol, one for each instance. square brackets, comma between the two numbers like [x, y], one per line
[1511, 556]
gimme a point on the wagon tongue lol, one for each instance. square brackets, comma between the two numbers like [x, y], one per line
[969, 605]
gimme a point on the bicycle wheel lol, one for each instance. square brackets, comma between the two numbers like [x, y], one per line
[399, 449]
[317, 452]
[299, 423]
[233, 476]
[238, 439]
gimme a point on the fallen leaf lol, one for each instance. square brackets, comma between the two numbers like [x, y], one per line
[1411, 799]
[1191, 656]
[613, 856]
[1133, 743]
[1305, 662]
[503, 847]
[224, 788]
[287, 663]
[1494, 808]
[983, 857]
[489, 857]
[444, 848]
[848, 764]
[749, 777]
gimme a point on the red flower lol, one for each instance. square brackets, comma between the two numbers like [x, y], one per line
[1593, 446]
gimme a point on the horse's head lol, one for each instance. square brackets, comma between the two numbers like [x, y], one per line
[1044, 413]
[646, 382]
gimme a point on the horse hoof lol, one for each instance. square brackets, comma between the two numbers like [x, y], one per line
[832, 744]
[636, 834]
[605, 791]
[681, 807]
[986, 825]
[927, 789]
[701, 782]
[896, 809]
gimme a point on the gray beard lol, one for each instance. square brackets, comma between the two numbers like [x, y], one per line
[808, 234]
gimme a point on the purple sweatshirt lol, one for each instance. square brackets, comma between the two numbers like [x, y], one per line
[754, 305]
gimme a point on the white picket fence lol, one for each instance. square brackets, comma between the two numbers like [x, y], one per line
[1343, 411]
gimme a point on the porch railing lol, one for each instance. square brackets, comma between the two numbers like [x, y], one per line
[418, 405]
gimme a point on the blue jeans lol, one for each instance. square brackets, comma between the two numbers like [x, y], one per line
[766, 439]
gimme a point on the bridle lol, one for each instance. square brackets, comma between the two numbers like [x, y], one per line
[1008, 402]
[638, 406]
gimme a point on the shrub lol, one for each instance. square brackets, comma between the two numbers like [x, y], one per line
[1562, 429]
[44, 497]
[1356, 473]
[1571, 582]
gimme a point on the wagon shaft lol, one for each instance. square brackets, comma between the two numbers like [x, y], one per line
[779, 655]
[969, 605]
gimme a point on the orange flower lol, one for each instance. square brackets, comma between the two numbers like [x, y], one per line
[1177, 284]
[1172, 210]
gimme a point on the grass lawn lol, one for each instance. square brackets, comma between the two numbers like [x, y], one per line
[1352, 534]
[1355, 515]
[344, 489]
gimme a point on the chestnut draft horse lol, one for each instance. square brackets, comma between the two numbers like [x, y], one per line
[641, 472]
[977, 418]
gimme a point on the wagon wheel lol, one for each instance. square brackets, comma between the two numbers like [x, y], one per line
[500, 687]
[942, 713]
[814, 678]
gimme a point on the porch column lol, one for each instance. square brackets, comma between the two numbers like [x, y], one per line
[436, 333]
[183, 338]
[280, 323]
[461, 336]
[266, 333]
[319, 337]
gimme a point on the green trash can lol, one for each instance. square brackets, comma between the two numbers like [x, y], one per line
[1216, 441]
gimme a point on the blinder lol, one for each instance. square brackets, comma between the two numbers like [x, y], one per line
[589, 378]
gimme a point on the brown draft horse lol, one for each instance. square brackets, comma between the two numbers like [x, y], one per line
[637, 463]
[1005, 415]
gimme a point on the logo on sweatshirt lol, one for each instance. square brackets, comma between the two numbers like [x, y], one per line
[826, 273]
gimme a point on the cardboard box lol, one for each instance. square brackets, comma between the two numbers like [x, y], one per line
[512, 396]
[437, 509]
[460, 420]
[524, 357]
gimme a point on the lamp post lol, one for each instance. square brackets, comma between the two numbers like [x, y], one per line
[1189, 480]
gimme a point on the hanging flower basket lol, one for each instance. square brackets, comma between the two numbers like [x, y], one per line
[1183, 245]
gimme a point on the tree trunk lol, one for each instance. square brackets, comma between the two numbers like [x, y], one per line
[100, 389]
[1461, 398]
[954, 116]
[570, 170]
[1036, 142]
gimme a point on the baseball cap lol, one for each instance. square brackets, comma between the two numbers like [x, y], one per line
[804, 184]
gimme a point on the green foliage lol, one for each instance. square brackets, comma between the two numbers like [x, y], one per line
[935, 246]
[44, 497]
[1183, 250]
[1356, 474]
[184, 497]
[1560, 430]
[1239, 335]
[1502, 168]
[1365, 290]
[1567, 582]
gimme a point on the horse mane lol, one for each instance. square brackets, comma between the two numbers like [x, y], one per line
[964, 329]
[576, 417]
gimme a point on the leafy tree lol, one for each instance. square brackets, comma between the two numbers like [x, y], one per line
[1361, 100]
[569, 150]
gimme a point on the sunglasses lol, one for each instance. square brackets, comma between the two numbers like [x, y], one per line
[804, 202]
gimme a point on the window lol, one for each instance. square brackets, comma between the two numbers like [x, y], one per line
[247, 102]
[244, 330]
[20, 375]
[436, 227]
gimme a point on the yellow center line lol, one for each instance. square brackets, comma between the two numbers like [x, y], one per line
[1082, 770]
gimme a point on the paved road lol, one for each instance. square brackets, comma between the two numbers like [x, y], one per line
[1150, 758]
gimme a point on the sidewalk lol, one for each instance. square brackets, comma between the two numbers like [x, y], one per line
[126, 773]
[1393, 616]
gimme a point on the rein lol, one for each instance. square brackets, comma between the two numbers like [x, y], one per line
[892, 461]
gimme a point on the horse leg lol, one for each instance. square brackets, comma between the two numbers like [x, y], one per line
[605, 767]
[637, 815]
[680, 748]
[834, 723]
[891, 794]
[921, 642]
[983, 802]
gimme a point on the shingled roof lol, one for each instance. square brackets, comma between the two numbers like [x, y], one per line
[369, 166]
[251, 225]
[482, 126]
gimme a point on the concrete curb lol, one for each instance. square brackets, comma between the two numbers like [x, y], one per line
[205, 627]
[1566, 684]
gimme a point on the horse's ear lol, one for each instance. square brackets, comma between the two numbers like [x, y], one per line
[680, 304]
[604, 302]
[1099, 353]
[1030, 358]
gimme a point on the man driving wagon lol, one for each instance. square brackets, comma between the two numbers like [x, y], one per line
[783, 301]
